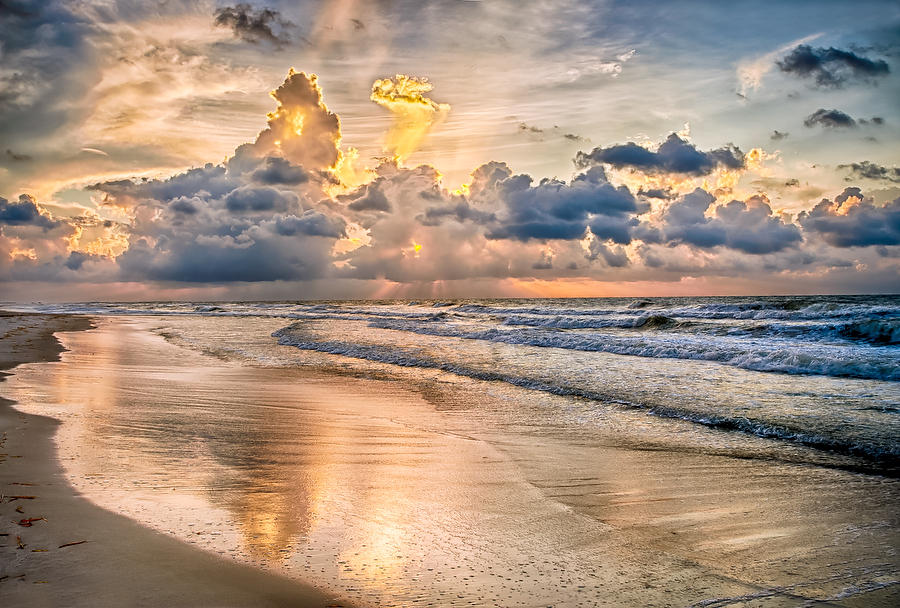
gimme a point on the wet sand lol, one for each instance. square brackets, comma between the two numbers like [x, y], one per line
[121, 563]
[436, 492]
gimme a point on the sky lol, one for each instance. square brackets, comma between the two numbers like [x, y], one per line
[211, 150]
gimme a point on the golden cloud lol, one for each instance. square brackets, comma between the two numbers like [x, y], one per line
[414, 113]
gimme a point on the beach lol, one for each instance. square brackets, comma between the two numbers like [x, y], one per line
[452, 304]
[214, 462]
[78, 554]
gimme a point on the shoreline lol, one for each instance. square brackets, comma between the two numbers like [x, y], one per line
[397, 491]
[120, 561]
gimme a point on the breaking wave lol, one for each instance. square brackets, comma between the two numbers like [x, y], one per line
[406, 357]
[761, 356]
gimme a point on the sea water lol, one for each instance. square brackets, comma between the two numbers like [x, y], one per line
[816, 371]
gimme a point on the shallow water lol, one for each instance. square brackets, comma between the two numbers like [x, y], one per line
[817, 371]
[405, 484]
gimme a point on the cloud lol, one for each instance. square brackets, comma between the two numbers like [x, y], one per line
[18, 158]
[255, 217]
[852, 220]
[591, 66]
[675, 155]
[277, 211]
[213, 180]
[778, 135]
[414, 113]
[185, 205]
[545, 262]
[870, 170]
[253, 256]
[831, 67]
[301, 129]
[25, 212]
[832, 119]
[557, 210]
[255, 26]
[751, 72]
[460, 211]
[280, 171]
[251, 233]
[540, 133]
[47, 61]
[613, 257]
[747, 226]
[248, 199]
[76, 260]
[310, 223]
[367, 198]
[656, 193]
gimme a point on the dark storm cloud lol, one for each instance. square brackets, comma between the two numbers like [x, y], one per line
[367, 198]
[870, 170]
[255, 25]
[47, 62]
[832, 67]
[460, 211]
[310, 223]
[675, 155]
[218, 260]
[211, 179]
[556, 210]
[252, 199]
[746, 226]
[280, 171]
[185, 205]
[851, 220]
[832, 119]
[25, 212]
[251, 234]
[76, 260]
[656, 193]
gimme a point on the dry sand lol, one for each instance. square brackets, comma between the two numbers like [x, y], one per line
[122, 563]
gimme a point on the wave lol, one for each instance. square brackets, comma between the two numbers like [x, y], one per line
[409, 358]
[876, 332]
[821, 348]
[569, 322]
[655, 321]
[762, 356]
[808, 313]
[841, 309]
[752, 310]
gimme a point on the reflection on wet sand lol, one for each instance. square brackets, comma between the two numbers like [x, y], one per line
[365, 486]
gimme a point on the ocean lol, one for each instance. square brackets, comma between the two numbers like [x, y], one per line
[573, 452]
